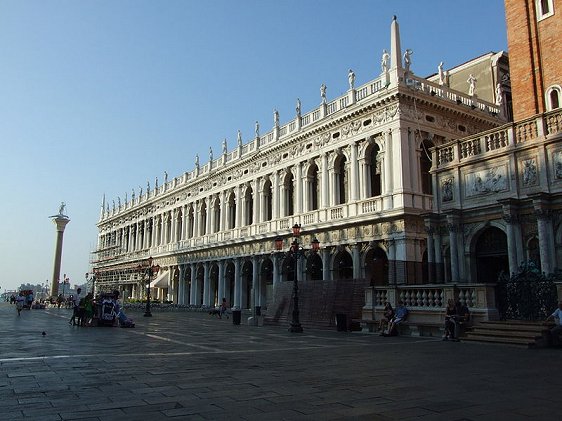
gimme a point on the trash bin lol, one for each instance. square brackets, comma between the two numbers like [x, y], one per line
[258, 310]
[236, 317]
[341, 322]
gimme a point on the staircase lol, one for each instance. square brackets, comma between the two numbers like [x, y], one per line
[319, 302]
[511, 332]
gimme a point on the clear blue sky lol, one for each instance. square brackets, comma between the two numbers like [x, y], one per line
[101, 96]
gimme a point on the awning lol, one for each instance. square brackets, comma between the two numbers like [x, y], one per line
[161, 280]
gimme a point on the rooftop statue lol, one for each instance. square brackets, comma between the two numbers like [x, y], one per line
[442, 75]
[351, 79]
[471, 85]
[298, 107]
[275, 120]
[323, 93]
[257, 129]
[224, 147]
[407, 59]
[239, 138]
[384, 61]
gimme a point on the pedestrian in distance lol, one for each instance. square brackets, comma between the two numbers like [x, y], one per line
[20, 301]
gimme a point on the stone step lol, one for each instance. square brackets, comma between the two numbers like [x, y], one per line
[509, 329]
[503, 334]
[499, 340]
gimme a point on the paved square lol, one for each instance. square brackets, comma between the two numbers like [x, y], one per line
[192, 366]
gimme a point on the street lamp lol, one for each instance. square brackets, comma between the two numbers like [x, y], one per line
[149, 270]
[65, 281]
[296, 251]
[93, 279]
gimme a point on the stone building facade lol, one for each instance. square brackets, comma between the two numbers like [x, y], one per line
[377, 175]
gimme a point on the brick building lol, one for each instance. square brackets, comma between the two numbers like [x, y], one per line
[534, 31]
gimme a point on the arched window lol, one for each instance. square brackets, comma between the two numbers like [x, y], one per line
[249, 204]
[267, 201]
[553, 96]
[312, 187]
[289, 195]
[203, 219]
[217, 215]
[425, 166]
[231, 211]
[341, 180]
[374, 168]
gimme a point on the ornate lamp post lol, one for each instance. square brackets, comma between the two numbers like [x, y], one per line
[296, 251]
[93, 280]
[149, 271]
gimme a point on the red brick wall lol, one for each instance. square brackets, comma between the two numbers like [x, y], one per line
[535, 55]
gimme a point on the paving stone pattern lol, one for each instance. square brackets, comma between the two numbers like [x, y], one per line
[192, 366]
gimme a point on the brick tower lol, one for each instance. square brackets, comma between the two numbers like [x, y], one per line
[534, 29]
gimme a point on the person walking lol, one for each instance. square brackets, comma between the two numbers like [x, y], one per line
[75, 319]
[20, 301]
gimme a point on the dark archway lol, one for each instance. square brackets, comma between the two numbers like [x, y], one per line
[314, 268]
[491, 255]
[343, 265]
[376, 267]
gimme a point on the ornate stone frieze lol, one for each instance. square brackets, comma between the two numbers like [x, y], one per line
[447, 189]
[492, 180]
[529, 172]
[557, 162]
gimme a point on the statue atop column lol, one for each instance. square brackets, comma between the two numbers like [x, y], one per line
[61, 208]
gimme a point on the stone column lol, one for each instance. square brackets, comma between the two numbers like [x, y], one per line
[275, 196]
[326, 273]
[354, 176]
[298, 189]
[430, 254]
[206, 285]
[256, 287]
[325, 182]
[60, 221]
[193, 289]
[237, 284]
[181, 285]
[453, 226]
[356, 258]
[221, 286]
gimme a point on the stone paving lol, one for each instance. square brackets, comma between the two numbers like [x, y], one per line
[192, 366]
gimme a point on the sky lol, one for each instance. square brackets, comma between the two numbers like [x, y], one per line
[98, 97]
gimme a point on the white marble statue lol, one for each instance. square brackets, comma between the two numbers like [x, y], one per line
[499, 95]
[351, 79]
[384, 61]
[323, 93]
[471, 85]
[441, 73]
[407, 59]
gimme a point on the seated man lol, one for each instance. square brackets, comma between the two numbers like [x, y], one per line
[400, 315]
[556, 331]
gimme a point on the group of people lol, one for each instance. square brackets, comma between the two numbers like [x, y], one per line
[391, 319]
[456, 315]
[83, 309]
[24, 299]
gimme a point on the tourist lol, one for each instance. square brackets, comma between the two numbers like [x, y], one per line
[400, 316]
[20, 301]
[29, 299]
[557, 329]
[88, 310]
[222, 309]
[450, 316]
[75, 319]
[463, 317]
[388, 314]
